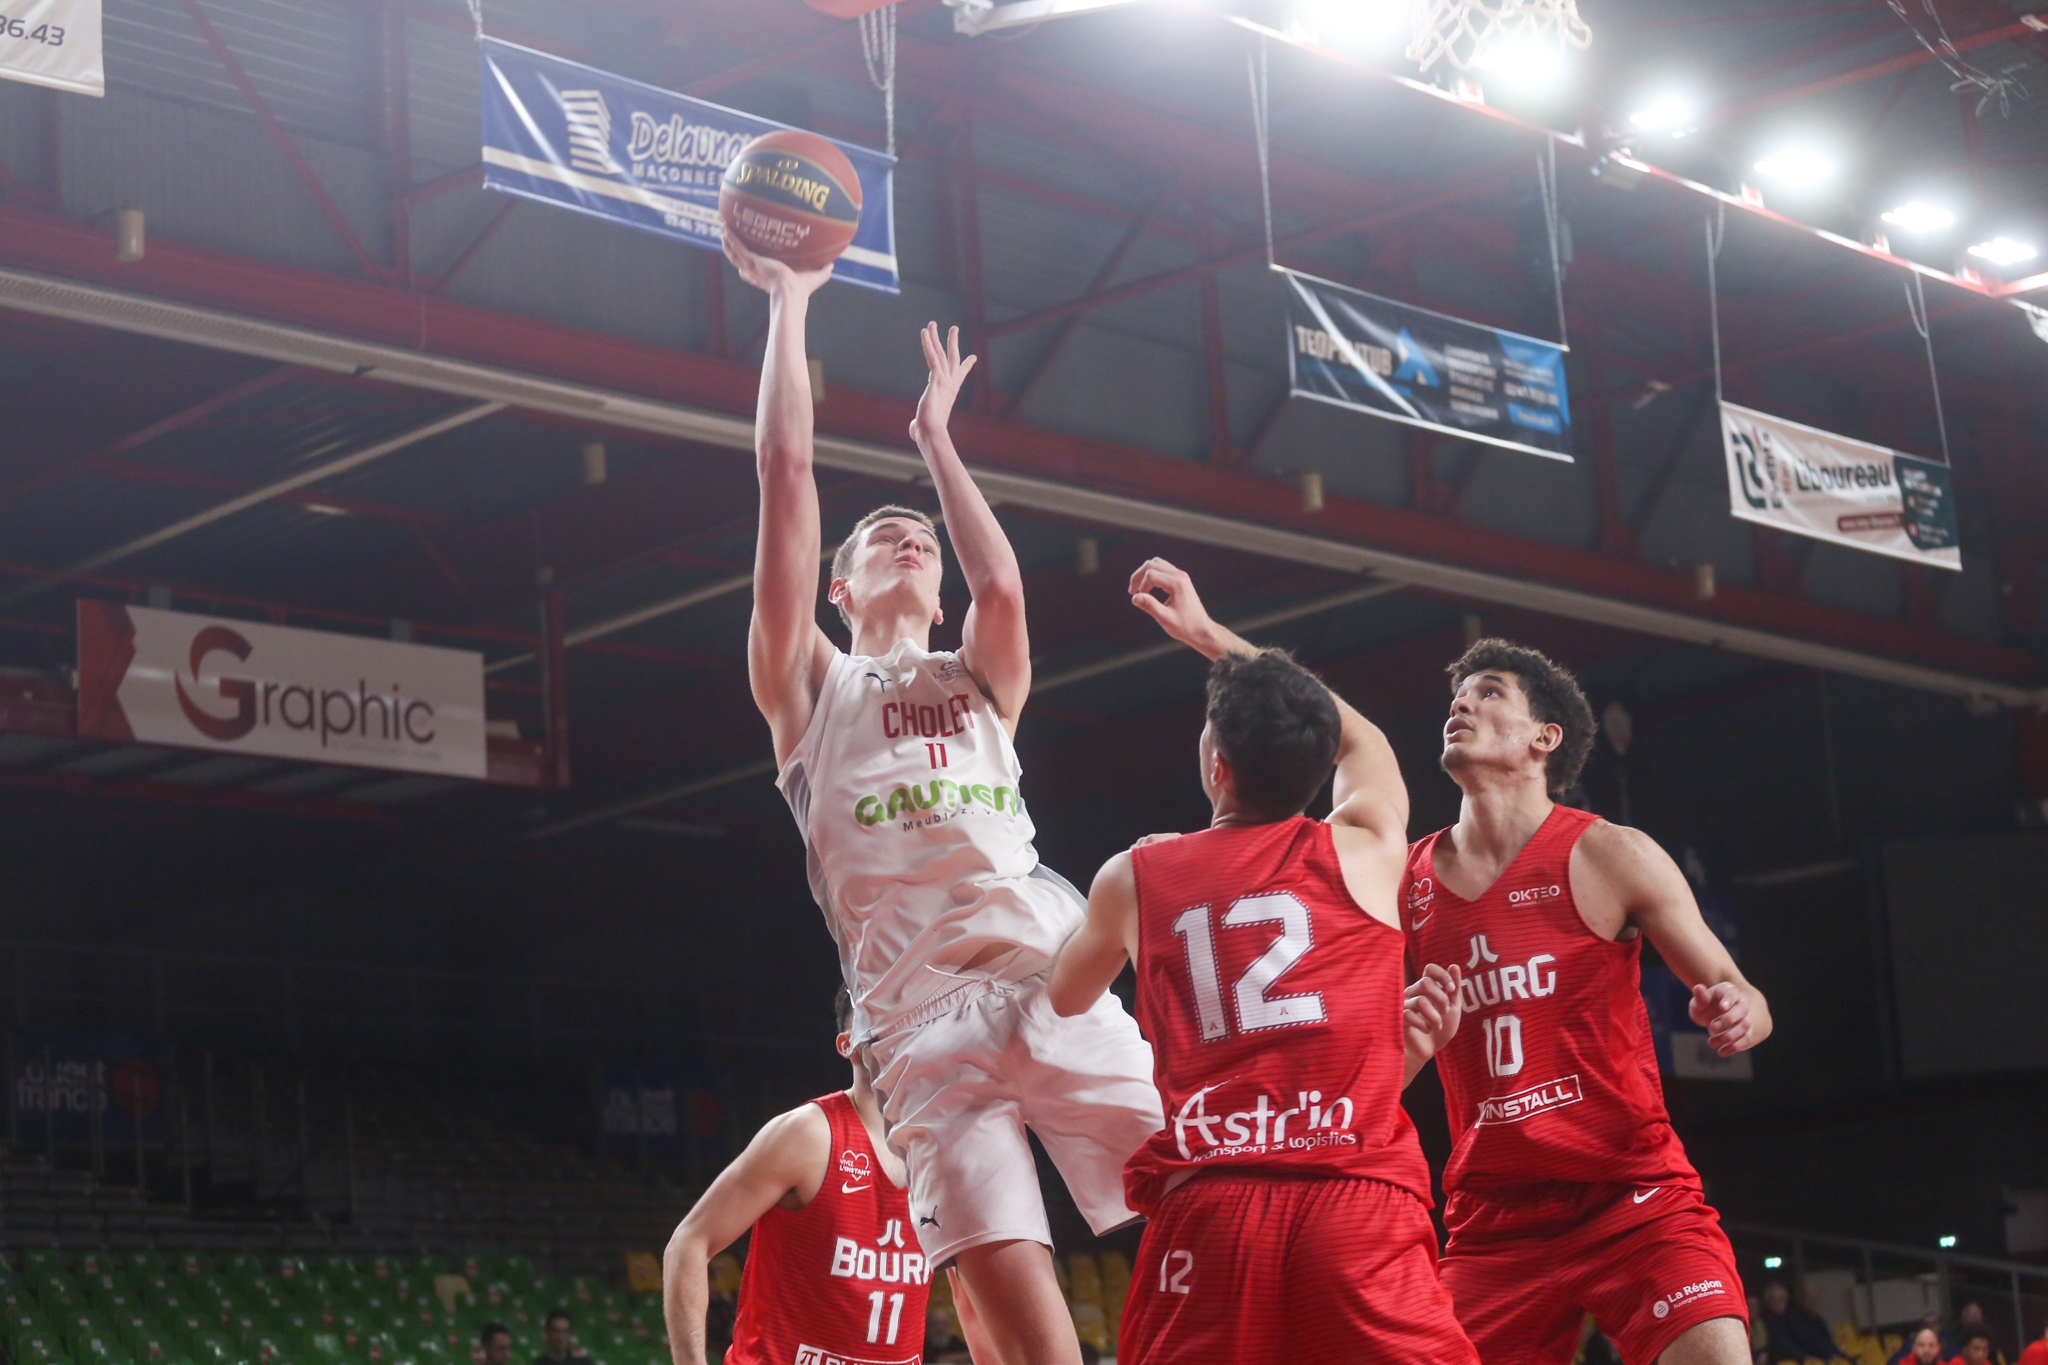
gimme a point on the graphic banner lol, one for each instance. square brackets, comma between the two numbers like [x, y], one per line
[61, 1079]
[54, 43]
[1815, 483]
[1427, 369]
[164, 677]
[645, 157]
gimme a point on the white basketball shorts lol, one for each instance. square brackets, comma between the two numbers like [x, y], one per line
[959, 1089]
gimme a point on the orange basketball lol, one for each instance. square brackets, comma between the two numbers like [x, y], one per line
[791, 195]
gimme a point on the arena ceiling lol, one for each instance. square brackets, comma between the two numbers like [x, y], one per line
[324, 277]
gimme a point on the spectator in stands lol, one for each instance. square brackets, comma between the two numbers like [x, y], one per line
[1969, 1320]
[496, 1339]
[1977, 1348]
[1923, 1349]
[1793, 1331]
[558, 1340]
[1930, 1324]
[2036, 1352]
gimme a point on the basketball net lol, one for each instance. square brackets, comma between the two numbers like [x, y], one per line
[878, 47]
[1464, 31]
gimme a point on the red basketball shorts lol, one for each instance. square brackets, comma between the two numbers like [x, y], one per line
[1271, 1270]
[1647, 1262]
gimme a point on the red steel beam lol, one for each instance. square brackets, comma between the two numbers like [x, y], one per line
[260, 107]
[1919, 55]
[380, 313]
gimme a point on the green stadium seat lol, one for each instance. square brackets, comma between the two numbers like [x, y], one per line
[91, 1263]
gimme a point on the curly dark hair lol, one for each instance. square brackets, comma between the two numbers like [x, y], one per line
[1277, 726]
[1554, 699]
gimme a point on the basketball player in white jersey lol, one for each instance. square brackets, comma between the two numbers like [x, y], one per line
[898, 764]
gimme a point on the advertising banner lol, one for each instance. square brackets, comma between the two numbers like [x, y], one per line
[1815, 483]
[1427, 369]
[646, 157]
[54, 43]
[197, 682]
[62, 1079]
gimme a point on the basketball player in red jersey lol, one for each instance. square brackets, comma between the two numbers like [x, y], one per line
[1269, 960]
[1567, 1191]
[834, 1273]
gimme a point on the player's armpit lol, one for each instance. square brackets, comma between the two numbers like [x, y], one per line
[1620, 878]
[1093, 955]
[786, 1160]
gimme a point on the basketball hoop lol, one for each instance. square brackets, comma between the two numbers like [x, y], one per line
[1471, 33]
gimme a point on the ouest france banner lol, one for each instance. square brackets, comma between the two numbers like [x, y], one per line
[200, 682]
[643, 156]
[54, 43]
[1427, 369]
[1815, 483]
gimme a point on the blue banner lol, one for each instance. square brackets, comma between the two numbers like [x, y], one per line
[1427, 369]
[634, 154]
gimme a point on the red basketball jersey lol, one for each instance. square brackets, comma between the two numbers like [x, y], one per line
[1273, 1005]
[840, 1281]
[1553, 1074]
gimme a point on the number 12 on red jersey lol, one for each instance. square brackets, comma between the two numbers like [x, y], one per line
[1257, 1008]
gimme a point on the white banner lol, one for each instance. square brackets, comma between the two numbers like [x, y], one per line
[163, 677]
[53, 42]
[1815, 483]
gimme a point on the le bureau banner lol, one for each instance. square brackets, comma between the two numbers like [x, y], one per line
[1815, 483]
[54, 43]
[643, 156]
[1427, 369]
[165, 677]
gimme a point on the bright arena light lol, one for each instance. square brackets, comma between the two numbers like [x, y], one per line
[1797, 167]
[1919, 216]
[1350, 23]
[1522, 58]
[1669, 114]
[2003, 251]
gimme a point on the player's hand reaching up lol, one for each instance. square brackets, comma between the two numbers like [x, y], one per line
[1165, 593]
[1430, 1013]
[771, 276]
[1724, 1012]
[946, 373]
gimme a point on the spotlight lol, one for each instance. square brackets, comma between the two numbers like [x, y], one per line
[1797, 167]
[1773, 1262]
[1919, 216]
[1946, 1242]
[1523, 59]
[1669, 115]
[1355, 23]
[2003, 251]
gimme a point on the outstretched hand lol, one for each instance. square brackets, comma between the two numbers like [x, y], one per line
[1431, 1010]
[946, 372]
[1167, 595]
[770, 275]
[1724, 1012]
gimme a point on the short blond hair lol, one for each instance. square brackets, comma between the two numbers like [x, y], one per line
[842, 558]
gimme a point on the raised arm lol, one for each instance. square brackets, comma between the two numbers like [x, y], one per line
[995, 645]
[1621, 876]
[1108, 938]
[1369, 793]
[786, 652]
[785, 1161]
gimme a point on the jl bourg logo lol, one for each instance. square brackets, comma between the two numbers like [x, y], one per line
[335, 713]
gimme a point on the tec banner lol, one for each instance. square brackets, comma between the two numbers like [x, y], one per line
[54, 43]
[642, 156]
[1814, 483]
[1427, 369]
[163, 677]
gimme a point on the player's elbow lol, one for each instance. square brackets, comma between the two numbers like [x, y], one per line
[780, 457]
[1000, 595]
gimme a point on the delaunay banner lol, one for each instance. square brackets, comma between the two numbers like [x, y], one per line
[54, 43]
[165, 677]
[646, 157]
[1815, 483]
[1374, 355]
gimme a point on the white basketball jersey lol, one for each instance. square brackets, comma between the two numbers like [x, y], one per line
[905, 787]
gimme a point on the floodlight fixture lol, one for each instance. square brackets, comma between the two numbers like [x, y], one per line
[1355, 23]
[1797, 167]
[1919, 216]
[1669, 115]
[1522, 58]
[2003, 251]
